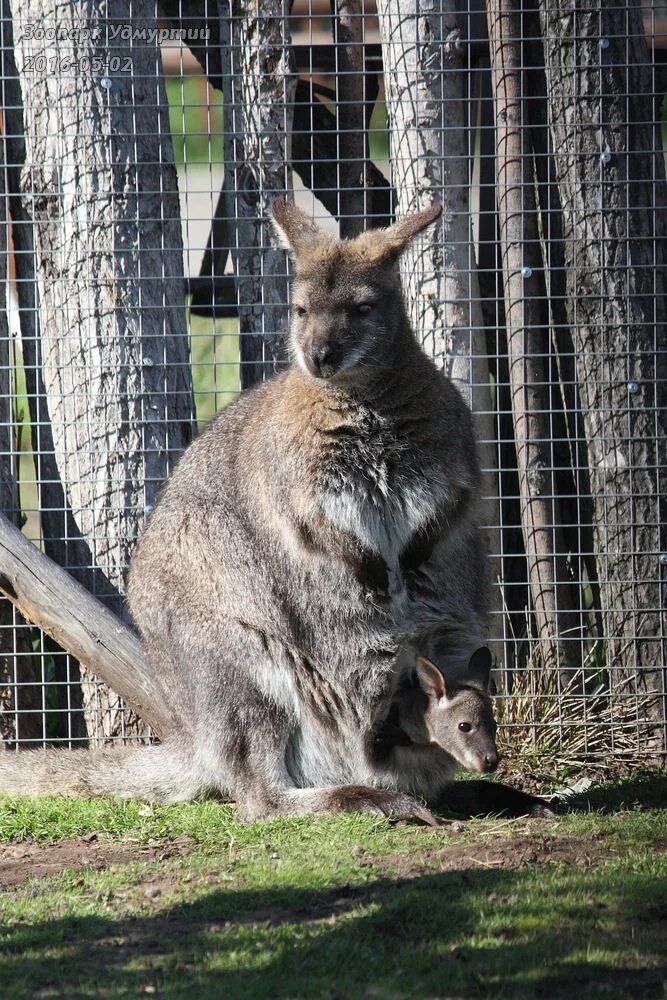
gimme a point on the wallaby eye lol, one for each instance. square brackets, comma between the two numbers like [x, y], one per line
[300, 310]
[364, 308]
[465, 727]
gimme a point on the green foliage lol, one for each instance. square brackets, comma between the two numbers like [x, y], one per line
[195, 120]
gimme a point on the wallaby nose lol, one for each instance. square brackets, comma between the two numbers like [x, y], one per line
[322, 358]
[490, 762]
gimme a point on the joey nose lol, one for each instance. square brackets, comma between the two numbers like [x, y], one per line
[490, 762]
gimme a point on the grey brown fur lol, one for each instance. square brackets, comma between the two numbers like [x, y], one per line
[434, 725]
[315, 535]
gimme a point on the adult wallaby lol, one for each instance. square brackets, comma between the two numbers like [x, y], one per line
[320, 530]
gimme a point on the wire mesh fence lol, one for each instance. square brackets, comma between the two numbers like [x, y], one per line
[144, 289]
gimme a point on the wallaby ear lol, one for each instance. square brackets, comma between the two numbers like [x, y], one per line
[293, 227]
[431, 680]
[390, 243]
[479, 667]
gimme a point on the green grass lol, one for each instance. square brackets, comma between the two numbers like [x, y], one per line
[214, 346]
[340, 907]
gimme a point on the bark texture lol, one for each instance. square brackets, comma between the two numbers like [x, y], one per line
[258, 96]
[99, 187]
[611, 181]
[348, 33]
[426, 90]
[526, 318]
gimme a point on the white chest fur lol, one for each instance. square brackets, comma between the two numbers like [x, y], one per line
[383, 520]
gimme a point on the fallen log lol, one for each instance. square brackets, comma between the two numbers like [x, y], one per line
[50, 598]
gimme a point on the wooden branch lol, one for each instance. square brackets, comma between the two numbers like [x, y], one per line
[50, 598]
[528, 347]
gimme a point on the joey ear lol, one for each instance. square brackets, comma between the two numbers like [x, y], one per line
[431, 680]
[293, 227]
[479, 667]
[390, 243]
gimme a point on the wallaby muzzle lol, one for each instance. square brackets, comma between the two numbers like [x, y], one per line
[322, 359]
[486, 761]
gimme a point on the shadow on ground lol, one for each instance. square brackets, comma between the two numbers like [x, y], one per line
[437, 935]
[638, 792]
[644, 790]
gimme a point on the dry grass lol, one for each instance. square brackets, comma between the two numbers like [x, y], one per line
[571, 719]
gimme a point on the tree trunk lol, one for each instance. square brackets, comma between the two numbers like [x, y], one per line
[611, 181]
[20, 698]
[348, 34]
[568, 439]
[99, 185]
[57, 524]
[258, 97]
[425, 87]
[528, 348]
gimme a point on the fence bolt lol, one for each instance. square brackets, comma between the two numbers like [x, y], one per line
[663, 558]
[633, 387]
[526, 271]
[604, 43]
[605, 157]
[106, 82]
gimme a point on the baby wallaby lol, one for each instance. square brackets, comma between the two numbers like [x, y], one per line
[456, 718]
[434, 724]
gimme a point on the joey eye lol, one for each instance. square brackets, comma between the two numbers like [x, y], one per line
[465, 727]
[300, 310]
[364, 308]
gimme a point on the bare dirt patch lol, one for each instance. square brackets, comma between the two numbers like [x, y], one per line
[29, 858]
[508, 854]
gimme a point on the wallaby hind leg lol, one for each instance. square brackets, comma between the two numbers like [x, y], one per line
[247, 712]
[334, 799]
[253, 768]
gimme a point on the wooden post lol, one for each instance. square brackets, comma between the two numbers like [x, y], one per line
[424, 55]
[257, 91]
[348, 33]
[611, 181]
[528, 347]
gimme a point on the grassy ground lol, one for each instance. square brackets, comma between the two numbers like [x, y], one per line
[121, 900]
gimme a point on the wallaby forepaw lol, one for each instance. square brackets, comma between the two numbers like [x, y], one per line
[360, 798]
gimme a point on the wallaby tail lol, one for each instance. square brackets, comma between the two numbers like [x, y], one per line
[161, 773]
